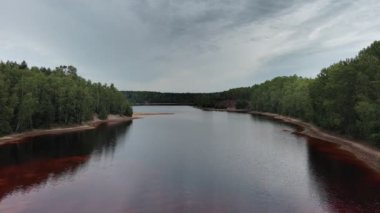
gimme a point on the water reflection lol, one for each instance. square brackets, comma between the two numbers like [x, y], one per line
[192, 161]
[344, 183]
[24, 166]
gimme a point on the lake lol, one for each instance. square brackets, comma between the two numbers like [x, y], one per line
[191, 161]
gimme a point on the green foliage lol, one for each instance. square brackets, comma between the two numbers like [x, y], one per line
[145, 97]
[39, 98]
[344, 97]
[242, 104]
[283, 95]
[127, 110]
[347, 95]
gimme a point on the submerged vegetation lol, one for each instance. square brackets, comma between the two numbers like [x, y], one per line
[344, 98]
[40, 98]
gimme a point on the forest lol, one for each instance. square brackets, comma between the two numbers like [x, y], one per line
[147, 97]
[343, 98]
[32, 98]
[238, 97]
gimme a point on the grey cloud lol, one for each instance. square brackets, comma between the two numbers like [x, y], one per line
[189, 45]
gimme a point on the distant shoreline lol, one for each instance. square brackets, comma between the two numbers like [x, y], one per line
[366, 153]
[161, 104]
[142, 114]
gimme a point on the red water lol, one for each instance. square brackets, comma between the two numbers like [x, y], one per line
[192, 161]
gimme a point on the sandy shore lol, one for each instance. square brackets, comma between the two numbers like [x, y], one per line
[112, 119]
[364, 152]
[225, 110]
[142, 114]
[368, 154]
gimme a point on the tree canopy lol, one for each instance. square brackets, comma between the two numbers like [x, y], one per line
[41, 97]
[344, 97]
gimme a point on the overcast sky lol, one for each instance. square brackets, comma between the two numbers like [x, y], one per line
[186, 45]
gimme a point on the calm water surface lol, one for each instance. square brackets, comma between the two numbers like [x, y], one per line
[192, 161]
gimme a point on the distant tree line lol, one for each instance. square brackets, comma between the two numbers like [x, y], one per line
[147, 97]
[41, 97]
[238, 96]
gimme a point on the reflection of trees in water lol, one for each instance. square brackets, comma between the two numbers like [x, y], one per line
[49, 158]
[345, 183]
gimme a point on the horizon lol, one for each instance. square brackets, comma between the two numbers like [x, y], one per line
[187, 46]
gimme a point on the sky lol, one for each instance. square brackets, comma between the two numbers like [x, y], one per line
[186, 45]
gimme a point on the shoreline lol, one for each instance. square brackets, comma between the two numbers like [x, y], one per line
[225, 110]
[366, 153]
[142, 114]
[93, 124]
[88, 125]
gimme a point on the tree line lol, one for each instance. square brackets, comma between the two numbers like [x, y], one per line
[344, 97]
[221, 100]
[42, 97]
[148, 97]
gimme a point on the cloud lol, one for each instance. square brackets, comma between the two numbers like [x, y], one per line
[193, 45]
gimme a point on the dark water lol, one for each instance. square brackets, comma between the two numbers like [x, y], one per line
[192, 161]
